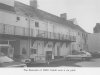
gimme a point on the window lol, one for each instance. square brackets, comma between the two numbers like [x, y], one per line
[26, 19]
[23, 51]
[32, 42]
[78, 33]
[33, 51]
[18, 18]
[79, 45]
[49, 45]
[82, 35]
[36, 24]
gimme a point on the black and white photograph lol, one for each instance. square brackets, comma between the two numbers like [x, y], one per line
[49, 33]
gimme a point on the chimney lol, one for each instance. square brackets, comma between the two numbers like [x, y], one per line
[64, 16]
[33, 3]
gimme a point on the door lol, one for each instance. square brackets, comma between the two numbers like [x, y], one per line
[48, 55]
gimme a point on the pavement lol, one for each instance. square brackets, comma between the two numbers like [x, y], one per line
[92, 63]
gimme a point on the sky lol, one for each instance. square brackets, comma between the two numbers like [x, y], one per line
[86, 12]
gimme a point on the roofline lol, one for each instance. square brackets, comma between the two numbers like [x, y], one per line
[74, 26]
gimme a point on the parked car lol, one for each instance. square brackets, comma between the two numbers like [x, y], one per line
[8, 62]
[96, 54]
[81, 55]
[20, 58]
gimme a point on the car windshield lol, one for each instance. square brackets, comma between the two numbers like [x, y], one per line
[4, 59]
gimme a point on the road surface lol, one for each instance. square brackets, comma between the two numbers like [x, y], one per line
[64, 63]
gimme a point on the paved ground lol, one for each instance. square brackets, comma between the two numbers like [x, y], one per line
[95, 62]
[59, 63]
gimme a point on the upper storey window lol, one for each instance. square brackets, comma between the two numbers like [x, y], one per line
[78, 33]
[18, 18]
[36, 24]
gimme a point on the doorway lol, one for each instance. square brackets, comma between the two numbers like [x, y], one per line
[48, 55]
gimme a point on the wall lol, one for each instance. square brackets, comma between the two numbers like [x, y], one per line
[42, 24]
[7, 18]
[50, 27]
[34, 45]
[61, 29]
[93, 42]
[39, 46]
[78, 44]
[56, 53]
[48, 46]
[11, 19]
[65, 49]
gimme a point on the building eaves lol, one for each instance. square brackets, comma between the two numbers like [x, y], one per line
[80, 29]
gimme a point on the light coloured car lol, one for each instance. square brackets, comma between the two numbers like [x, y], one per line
[81, 55]
[86, 54]
[8, 62]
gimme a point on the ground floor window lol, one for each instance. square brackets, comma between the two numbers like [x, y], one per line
[4, 50]
[24, 51]
[33, 51]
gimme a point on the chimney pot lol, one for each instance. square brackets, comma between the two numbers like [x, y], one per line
[33, 3]
[64, 16]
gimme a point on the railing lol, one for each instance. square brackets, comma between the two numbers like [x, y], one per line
[22, 31]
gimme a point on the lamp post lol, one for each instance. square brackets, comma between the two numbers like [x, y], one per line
[29, 30]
